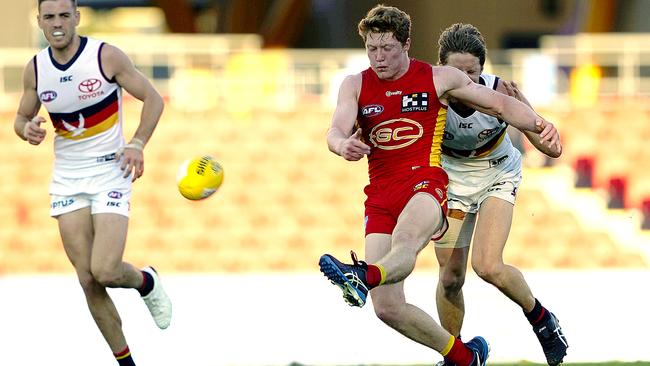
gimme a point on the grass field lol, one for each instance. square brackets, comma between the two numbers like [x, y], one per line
[613, 363]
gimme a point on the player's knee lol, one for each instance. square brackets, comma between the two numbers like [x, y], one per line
[387, 313]
[106, 277]
[88, 282]
[487, 270]
[452, 282]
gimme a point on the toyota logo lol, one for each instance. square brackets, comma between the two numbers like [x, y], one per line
[89, 85]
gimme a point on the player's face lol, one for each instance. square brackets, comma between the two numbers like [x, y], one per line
[388, 57]
[58, 19]
[467, 63]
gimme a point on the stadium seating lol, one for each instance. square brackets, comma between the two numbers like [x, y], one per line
[285, 200]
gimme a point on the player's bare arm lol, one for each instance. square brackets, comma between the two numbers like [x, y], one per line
[553, 147]
[453, 83]
[118, 65]
[341, 139]
[27, 122]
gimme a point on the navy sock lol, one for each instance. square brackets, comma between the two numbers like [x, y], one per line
[147, 284]
[538, 313]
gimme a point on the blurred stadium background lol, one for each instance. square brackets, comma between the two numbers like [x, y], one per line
[254, 84]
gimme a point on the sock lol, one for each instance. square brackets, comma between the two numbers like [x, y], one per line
[124, 357]
[538, 314]
[457, 352]
[375, 275]
[447, 360]
[147, 284]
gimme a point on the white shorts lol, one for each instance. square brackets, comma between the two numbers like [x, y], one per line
[105, 193]
[469, 188]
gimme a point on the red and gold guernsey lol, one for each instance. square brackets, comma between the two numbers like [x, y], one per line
[402, 121]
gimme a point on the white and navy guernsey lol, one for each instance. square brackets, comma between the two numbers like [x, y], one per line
[85, 108]
[473, 135]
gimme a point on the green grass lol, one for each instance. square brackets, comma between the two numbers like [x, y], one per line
[612, 363]
[523, 363]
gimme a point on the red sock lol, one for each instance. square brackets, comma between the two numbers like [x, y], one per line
[374, 276]
[460, 354]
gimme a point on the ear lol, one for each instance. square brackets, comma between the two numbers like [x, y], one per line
[77, 16]
[38, 20]
[407, 45]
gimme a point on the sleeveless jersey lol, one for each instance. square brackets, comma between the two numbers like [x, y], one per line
[85, 109]
[475, 138]
[402, 121]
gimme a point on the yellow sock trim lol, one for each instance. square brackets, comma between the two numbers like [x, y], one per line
[445, 351]
[382, 273]
[123, 356]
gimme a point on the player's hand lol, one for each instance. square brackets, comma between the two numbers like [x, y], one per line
[33, 132]
[353, 148]
[549, 136]
[512, 89]
[132, 157]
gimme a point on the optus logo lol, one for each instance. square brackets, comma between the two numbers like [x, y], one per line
[395, 133]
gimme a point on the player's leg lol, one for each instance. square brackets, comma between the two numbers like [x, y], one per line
[107, 265]
[110, 270]
[110, 214]
[391, 307]
[390, 304]
[452, 253]
[76, 229]
[419, 220]
[492, 229]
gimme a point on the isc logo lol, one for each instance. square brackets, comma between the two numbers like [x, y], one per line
[395, 133]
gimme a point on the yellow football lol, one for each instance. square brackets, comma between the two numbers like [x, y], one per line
[199, 177]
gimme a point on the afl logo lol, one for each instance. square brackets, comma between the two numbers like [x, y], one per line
[89, 85]
[48, 96]
[395, 133]
[115, 195]
[372, 110]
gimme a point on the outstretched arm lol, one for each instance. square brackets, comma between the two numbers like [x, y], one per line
[452, 83]
[553, 148]
[118, 65]
[340, 138]
[27, 123]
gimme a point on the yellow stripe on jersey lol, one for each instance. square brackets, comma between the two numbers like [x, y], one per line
[436, 143]
[497, 143]
[96, 129]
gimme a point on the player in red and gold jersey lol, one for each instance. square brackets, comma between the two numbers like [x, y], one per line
[399, 105]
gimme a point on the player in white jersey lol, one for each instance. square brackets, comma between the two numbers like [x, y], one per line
[484, 171]
[79, 81]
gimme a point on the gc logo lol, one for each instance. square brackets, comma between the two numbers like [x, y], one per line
[395, 133]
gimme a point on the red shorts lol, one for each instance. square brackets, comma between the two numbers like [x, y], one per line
[387, 198]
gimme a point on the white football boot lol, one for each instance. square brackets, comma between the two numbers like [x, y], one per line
[158, 302]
